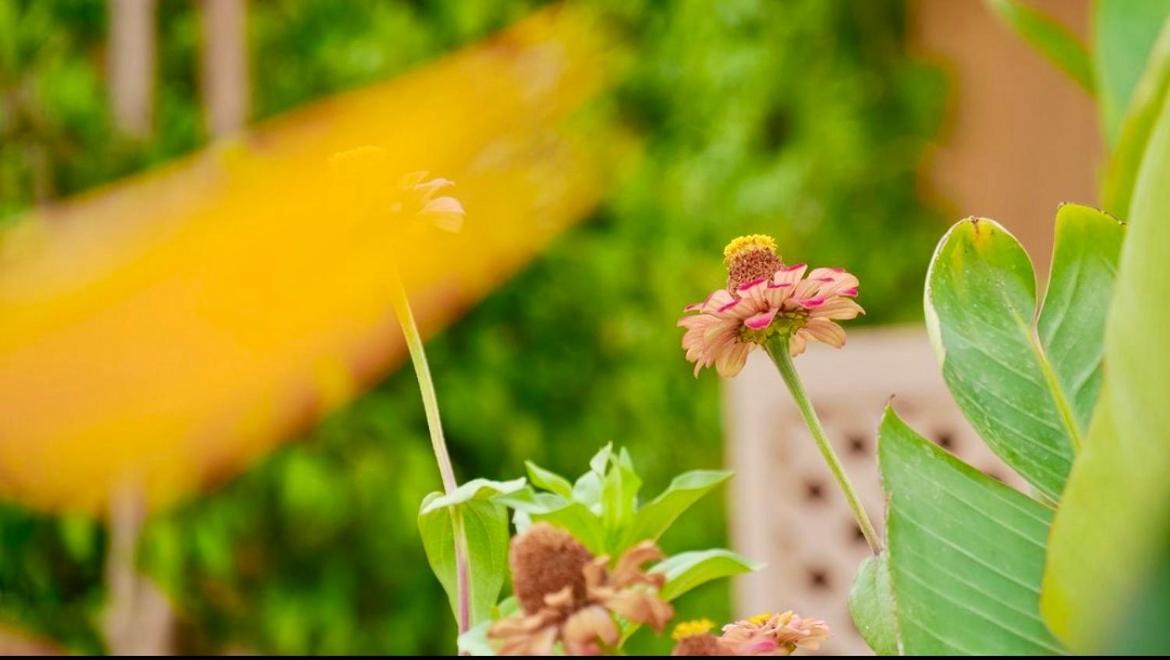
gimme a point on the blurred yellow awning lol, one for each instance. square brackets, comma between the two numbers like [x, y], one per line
[166, 330]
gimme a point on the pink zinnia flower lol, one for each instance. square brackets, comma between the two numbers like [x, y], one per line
[773, 634]
[765, 298]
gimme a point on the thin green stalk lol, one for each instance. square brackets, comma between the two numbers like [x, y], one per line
[426, 386]
[777, 347]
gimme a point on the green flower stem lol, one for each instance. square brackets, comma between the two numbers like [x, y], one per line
[426, 386]
[777, 347]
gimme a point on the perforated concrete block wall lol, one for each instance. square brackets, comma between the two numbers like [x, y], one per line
[786, 509]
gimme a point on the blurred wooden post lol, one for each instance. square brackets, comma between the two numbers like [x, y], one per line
[131, 64]
[1020, 136]
[138, 618]
[225, 66]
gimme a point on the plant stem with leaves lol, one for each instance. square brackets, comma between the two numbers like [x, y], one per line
[777, 347]
[426, 386]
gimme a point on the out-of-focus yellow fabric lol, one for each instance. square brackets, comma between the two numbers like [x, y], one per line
[165, 331]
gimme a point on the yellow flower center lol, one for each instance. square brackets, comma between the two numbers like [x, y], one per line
[749, 242]
[750, 259]
[760, 619]
[691, 628]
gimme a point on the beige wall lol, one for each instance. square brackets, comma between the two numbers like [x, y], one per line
[1020, 137]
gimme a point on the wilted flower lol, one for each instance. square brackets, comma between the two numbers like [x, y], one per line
[444, 212]
[627, 590]
[773, 634]
[765, 298]
[362, 172]
[546, 560]
[568, 595]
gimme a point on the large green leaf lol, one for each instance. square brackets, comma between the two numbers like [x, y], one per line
[687, 570]
[981, 310]
[1048, 36]
[966, 553]
[485, 527]
[587, 488]
[1145, 108]
[657, 515]
[872, 606]
[1123, 34]
[549, 480]
[1110, 540]
[1071, 327]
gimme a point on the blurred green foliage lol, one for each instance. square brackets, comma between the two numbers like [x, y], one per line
[801, 118]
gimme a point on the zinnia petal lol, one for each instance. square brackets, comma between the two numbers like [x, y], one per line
[837, 309]
[718, 301]
[641, 606]
[730, 362]
[586, 627]
[826, 331]
[761, 320]
[797, 343]
[789, 274]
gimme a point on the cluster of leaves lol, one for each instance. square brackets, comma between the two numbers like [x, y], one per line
[1069, 393]
[601, 509]
[1028, 381]
[806, 123]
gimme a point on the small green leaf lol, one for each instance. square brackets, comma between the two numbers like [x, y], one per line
[871, 605]
[656, 516]
[587, 491]
[600, 461]
[476, 489]
[619, 496]
[549, 480]
[475, 641]
[1125, 161]
[572, 516]
[507, 607]
[485, 527]
[1048, 36]
[965, 553]
[579, 521]
[980, 301]
[687, 570]
[1123, 35]
[529, 501]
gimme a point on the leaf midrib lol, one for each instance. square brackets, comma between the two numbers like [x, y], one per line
[1029, 331]
[1054, 387]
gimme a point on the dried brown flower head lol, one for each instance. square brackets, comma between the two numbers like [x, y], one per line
[704, 644]
[545, 560]
[568, 595]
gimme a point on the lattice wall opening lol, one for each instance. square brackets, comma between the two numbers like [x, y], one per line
[786, 510]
